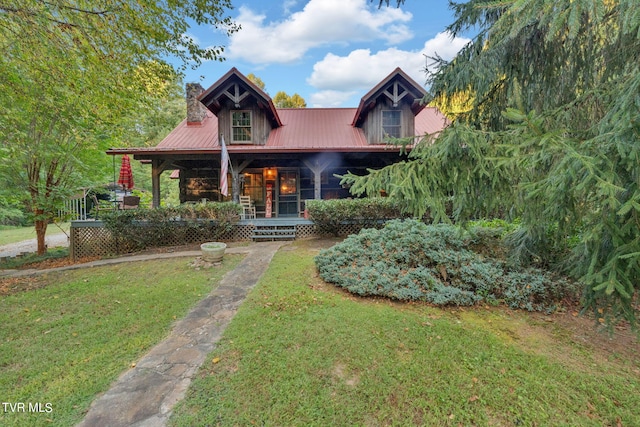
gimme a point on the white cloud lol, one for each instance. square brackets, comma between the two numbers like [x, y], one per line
[444, 45]
[288, 5]
[320, 23]
[329, 98]
[362, 70]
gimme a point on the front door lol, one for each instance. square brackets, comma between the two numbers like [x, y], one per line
[288, 193]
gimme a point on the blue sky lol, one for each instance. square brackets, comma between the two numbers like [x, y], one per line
[331, 52]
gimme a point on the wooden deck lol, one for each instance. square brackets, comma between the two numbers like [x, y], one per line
[291, 222]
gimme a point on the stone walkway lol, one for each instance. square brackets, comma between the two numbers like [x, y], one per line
[145, 395]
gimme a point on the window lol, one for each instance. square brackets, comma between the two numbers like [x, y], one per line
[391, 123]
[288, 183]
[253, 187]
[241, 126]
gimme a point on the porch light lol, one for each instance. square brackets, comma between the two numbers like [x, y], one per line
[271, 173]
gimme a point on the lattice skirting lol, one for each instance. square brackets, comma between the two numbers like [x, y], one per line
[239, 233]
[305, 231]
[347, 229]
[91, 242]
[91, 238]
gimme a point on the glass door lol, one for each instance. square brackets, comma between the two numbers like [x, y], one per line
[288, 193]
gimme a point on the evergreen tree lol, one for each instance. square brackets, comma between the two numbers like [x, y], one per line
[553, 137]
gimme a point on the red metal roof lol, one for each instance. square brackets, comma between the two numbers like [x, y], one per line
[322, 129]
[302, 130]
[203, 135]
[430, 120]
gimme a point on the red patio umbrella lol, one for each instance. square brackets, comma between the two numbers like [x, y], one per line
[126, 176]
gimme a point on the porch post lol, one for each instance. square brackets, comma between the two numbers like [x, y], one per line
[155, 182]
[317, 169]
[235, 185]
[317, 185]
[157, 167]
[236, 170]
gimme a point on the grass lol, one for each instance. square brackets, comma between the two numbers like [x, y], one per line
[73, 333]
[33, 258]
[10, 234]
[300, 352]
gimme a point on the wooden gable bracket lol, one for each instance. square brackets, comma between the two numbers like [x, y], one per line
[395, 97]
[237, 96]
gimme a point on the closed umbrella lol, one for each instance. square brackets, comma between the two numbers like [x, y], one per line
[126, 176]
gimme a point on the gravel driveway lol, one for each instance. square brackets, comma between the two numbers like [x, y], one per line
[31, 245]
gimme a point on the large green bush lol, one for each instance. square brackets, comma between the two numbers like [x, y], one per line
[11, 210]
[408, 260]
[137, 229]
[328, 215]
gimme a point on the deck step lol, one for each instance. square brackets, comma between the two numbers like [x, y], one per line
[274, 232]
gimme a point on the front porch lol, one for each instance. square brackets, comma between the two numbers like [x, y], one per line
[277, 187]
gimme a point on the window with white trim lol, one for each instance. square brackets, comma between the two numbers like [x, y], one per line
[241, 126]
[392, 123]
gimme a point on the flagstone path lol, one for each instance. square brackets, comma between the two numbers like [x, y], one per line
[145, 395]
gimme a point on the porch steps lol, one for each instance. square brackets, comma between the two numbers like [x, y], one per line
[274, 232]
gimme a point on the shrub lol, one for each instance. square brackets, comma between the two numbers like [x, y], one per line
[137, 229]
[11, 216]
[11, 209]
[369, 212]
[409, 260]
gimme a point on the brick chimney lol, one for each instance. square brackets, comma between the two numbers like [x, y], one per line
[196, 111]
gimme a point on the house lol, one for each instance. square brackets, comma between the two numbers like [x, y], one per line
[281, 157]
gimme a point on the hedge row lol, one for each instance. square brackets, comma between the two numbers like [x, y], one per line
[368, 212]
[138, 229]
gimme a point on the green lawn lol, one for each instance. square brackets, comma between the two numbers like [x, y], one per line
[71, 334]
[302, 353]
[9, 234]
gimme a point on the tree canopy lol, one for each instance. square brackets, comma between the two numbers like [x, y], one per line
[71, 70]
[282, 100]
[256, 80]
[551, 137]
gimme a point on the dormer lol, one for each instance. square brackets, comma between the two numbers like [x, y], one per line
[390, 108]
[246, 114]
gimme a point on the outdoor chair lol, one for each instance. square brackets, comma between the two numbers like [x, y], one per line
[100, 205]
[96, 206]
[248, 210]
[130, 202]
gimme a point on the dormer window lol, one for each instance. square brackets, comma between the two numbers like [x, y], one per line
[392, 123]
[241, 126]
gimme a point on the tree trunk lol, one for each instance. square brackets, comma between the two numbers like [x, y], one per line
[41, 231]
